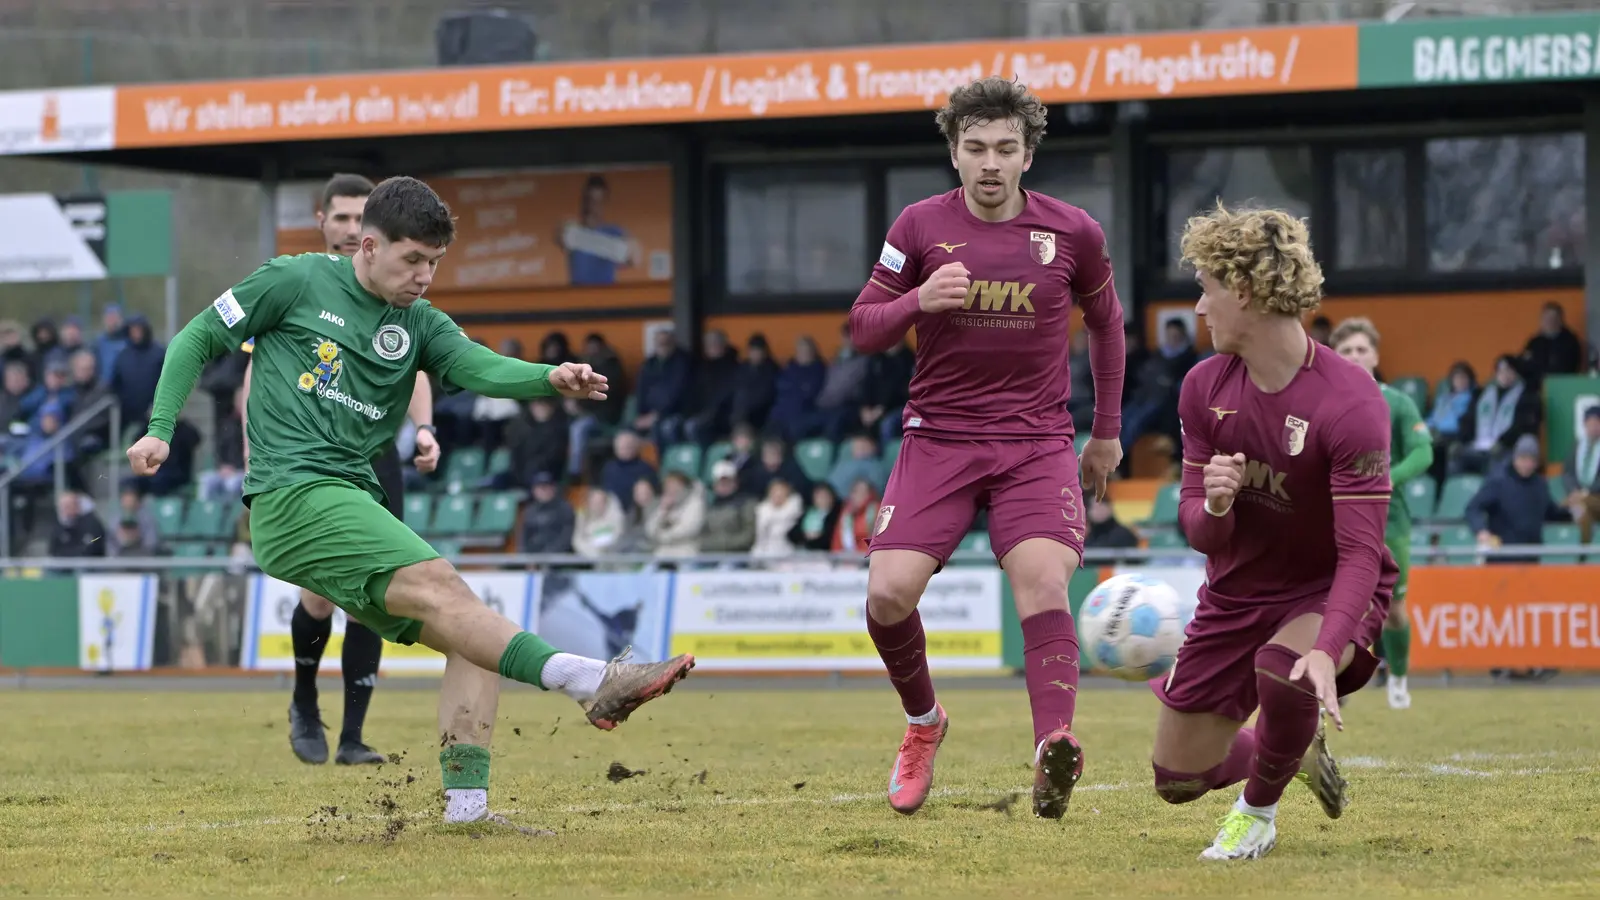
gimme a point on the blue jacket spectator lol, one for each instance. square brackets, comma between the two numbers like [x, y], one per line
[755, 385]
[663, 383]
[797, 387]
[137, 370]
[1514, 502]
[624, 469]
[55, 389]
[113, 337]
[1453, 402]
[861, 463]
[44, 425]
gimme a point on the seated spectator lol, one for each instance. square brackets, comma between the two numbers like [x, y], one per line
[1451, 404]
[126, 540]
[839, 403]
[1514, 503]
[1581, 476]
[137, 369]
[1321, 330]
[145, 540]
[1080, 403]
[590, 416]
[815, 530]
[1105, 532]
[1553, 349]
[663, 392]
[624, 468]
[12, 346]
[491, 415]
[742, 449]
[599, 525]
[678, 519]
[177, 473]
[795, 394]
[70, 339]
[1154, 406]
[730, 525]
[887, 391]
[1506, 410]
[88, 389]
[56, 387]
[227, 480]
[15, 386]
[755, 386]
[42, 429]
[538, 439]
[78, 531]
[222, 378]
[46, 347]
[554, 350]
[635, 537]
[856, 516]
[710, 406]
[113, 338]
[863, 462]
[548, 522]
[775, 462]
[776, 515]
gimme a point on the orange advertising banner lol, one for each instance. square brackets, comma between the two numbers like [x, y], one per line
[538, 229]
[1472, 618]
[879, 79]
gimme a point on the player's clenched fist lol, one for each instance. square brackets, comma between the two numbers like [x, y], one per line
[1223, 477]
[147, 455]
[578, 381]
[945, 289]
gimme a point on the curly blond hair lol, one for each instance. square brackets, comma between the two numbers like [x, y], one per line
[1351, 327]
[1264, 254]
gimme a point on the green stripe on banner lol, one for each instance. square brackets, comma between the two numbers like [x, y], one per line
[1083, 581]
[39, 623]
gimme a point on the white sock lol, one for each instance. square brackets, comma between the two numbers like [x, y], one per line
[931, 717]
[576, 676]
[1269, 813]
[465, 804]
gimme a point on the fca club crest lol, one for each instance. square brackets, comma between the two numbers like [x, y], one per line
[1294, 432]
[885, 513]
[1043, 246]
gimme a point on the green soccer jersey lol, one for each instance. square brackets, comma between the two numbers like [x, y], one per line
[1410, 452]
[333, 368]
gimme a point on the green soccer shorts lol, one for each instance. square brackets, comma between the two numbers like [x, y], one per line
[1399, 543]
[335, 539]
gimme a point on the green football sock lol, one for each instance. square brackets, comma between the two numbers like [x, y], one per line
[1397, 649]
[464, 766]
[524, 659]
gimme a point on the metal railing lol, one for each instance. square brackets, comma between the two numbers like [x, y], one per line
[79, 423]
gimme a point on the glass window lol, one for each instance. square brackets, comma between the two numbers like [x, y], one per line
[909, 184]
[1276, 176]
[794, 231]
[1082, 179]
[1500, 204]
[1369, 193]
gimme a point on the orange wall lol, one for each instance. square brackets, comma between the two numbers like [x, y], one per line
[1425, 334]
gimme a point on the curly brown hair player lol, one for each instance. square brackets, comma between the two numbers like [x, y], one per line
[988, 275]
[1285, 490]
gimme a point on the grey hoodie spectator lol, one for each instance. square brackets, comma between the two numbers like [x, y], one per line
[730, 516]
[113, 338]
[89, 387]
[548, 523]
[843, 389]
[1514, 502]
[861, 462]
[137, 369]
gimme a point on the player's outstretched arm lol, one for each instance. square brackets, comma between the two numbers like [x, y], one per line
[1205, 511]
[193, 347]
[1092, 285]
[1417, 446]
[455, 358]
[897, 291]
[1359, 479]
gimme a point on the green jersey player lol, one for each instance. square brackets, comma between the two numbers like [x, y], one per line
[1410, 455]
[338, 342]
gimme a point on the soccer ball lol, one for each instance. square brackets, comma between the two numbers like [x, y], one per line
[1130, 626]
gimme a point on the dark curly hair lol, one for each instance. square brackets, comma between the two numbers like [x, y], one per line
[988, 100]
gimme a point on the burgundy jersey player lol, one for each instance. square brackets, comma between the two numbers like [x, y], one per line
[988, 275]
[1286, 491]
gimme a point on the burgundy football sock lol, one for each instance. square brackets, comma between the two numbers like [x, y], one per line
[1050, 655]
[1284, 729]
[904, 649]
[1180, 787]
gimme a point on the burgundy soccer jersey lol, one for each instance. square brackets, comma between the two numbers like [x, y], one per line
[1309, 517]
[997, 367]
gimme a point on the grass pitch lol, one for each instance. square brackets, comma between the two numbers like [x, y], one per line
[1492, 792]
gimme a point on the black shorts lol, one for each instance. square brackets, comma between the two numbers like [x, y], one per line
[393, 482]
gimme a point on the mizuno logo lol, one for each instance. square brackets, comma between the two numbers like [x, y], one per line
[949, 248]
[1222, 412]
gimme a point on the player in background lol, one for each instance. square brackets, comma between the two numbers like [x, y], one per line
[311, 623]
[988, 275]
[1411, 453]
[1285, 490]
[317, 518]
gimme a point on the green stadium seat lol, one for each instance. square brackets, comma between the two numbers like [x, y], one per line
[1078, 441]
[169, 516]
[1165, 510]
[976, 542]
[684, 458]
[1561, 534]
[453, 514]
[1558, 489]
[419, 512]
[815, 457]
[630, 409]
[715, 453]
[203, 521]
[1415, 388]
[499, 462]
[1167, 539]
[191, 550]
[446, 548]
[497, 514]
[464, 469]
[891, 450]
[1421, 494]
[1421, 540]
[1458, 492]
[1457, 536]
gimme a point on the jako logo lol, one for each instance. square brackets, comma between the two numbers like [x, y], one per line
[330, 317]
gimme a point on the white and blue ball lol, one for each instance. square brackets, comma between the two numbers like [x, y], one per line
[1131, 626]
